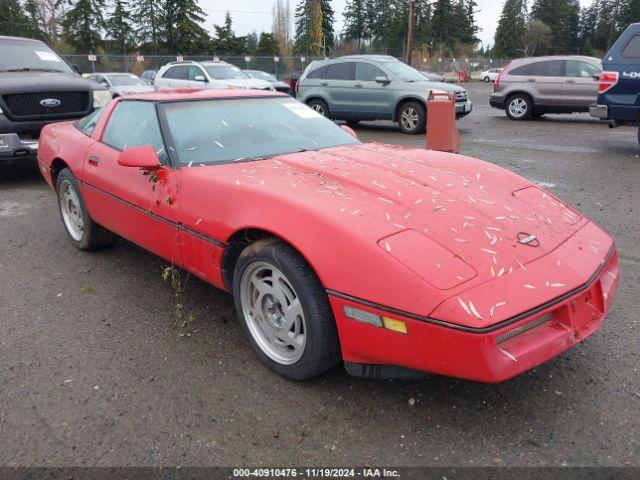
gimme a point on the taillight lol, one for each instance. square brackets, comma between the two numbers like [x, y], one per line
[607, 81]
[496, 84]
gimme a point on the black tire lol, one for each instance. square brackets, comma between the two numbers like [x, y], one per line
[417, 127]
[319, 106]
[487, 79]
[93, 236]
[322, 349]
[524, 101]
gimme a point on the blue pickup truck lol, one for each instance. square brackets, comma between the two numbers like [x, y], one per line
[619, 83]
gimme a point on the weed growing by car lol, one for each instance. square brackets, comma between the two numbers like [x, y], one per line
[183, 320]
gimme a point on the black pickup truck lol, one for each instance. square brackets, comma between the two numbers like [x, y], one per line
[38, 87]
[619, 87]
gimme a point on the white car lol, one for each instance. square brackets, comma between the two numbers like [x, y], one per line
[490, 75]
[206, 75]
[121, 83]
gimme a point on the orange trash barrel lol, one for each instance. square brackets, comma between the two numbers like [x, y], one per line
[442, 132]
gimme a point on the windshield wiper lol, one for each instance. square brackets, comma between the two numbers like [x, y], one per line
[30, 69]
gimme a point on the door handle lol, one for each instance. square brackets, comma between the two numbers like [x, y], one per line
[531, 80]
[357, 85]
[324, 84]
[570, 81]
[94, 160]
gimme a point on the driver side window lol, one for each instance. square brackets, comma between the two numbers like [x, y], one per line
[194, 72]
[134, 124]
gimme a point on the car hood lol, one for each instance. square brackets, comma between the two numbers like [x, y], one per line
[249, 83]
[490, 220]
[123, 90]
[426, 86]
[14, 82]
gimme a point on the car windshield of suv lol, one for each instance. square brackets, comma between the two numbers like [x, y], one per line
[208, 132]
[124, 80]
[24, 56]
[262, 76]
[225, 72]
[403, 71]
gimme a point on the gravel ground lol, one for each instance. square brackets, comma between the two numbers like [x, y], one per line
[92, 372]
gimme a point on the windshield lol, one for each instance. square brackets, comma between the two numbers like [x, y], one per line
[215, 131]
[403, 71]
[125, 80]
[18, 55]
[225, 72]
[262, 76]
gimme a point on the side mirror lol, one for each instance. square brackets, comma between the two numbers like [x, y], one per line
[381, 79]
[76, 69]
[140, 157]
[200, 78]
[349, 130]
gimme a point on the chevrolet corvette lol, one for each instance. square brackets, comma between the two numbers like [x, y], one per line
[393, 260]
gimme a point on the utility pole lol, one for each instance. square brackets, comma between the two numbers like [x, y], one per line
[410, 32]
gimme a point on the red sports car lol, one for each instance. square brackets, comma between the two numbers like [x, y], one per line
[390, 259]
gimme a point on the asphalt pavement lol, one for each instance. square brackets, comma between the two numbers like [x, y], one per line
[93, 371]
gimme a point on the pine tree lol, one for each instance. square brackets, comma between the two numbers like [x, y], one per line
[148, 19]
[355, 22]
[225, 41]
[562, 17]
[35, 22]
[509, 37]
[13, 20]
[119, 26]
[181, 24]
[83, 24]
[267, 45]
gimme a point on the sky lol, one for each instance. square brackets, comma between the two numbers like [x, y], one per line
[249, 15]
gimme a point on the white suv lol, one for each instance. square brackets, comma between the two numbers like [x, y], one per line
[206, 75]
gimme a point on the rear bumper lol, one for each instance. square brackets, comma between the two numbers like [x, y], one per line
[463, 109]
[486, 355]
[496, 101]
[599, 111]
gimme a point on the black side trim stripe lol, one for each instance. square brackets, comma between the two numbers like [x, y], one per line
[176, 225]
[491, 328]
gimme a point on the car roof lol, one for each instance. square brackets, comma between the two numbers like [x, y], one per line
[186, 94]
[525, 60]
[113, 73]
[32, 40]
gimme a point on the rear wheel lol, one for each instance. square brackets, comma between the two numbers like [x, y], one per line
[519, 107]
[412, 117]
[284, 311]
[83, 232]
[319, 106]
[487, 79]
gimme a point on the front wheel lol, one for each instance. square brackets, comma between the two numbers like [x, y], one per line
[412, 117]
[83, 232]
[487, 79]
[319, 106]
[284, 311]
[519, 107]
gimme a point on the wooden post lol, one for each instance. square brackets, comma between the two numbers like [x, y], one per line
[410, 32]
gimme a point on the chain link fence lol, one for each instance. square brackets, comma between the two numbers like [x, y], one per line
[281, 67]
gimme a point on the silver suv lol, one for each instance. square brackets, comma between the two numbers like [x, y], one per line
[534, 86]
[206, 75]
[373, 87]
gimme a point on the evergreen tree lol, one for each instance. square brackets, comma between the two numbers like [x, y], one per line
[267, 45]
[83, 24]
[225, 41]
[562, 17]
[13, 20]
[252, 43]
[35, 28]
[355, 22]
[509, 37]
[119, 26]
[181, 24]
[147, 26]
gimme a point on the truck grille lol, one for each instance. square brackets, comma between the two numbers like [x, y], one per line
[28, 104]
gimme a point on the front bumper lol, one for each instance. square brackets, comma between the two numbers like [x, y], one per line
[12, 147]
[486, 355]
[463, 109]
[599, 111]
